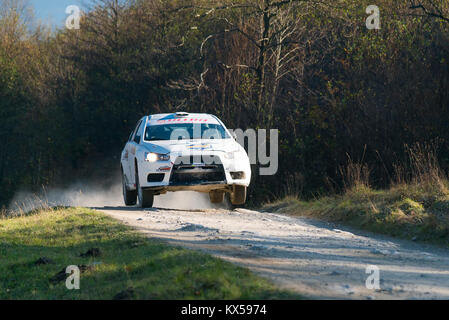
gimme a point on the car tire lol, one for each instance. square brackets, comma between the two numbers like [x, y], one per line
[146, 197]
[216, 197]
[129, 196]
[238, 195]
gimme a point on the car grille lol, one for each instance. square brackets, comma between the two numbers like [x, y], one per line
[209, 170]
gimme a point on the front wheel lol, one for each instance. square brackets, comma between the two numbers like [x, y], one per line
[146, 197]
[238, 195]
[216, 197]
[129, 196]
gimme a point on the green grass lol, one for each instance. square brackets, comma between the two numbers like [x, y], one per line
[153, 269]
[410, 212]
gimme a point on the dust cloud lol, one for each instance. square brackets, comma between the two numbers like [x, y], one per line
[185, 200]
[93, 196]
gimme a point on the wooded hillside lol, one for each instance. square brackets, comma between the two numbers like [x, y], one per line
[339, 94]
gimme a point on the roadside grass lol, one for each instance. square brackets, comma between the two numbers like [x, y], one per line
[129, 266]
[418, 212]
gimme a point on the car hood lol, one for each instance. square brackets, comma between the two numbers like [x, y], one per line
[195, 146]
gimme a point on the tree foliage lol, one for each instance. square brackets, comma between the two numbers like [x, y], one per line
[334, 89]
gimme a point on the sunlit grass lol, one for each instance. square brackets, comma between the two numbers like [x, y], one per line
[151, 268]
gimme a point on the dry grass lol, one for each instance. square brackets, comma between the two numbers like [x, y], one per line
[424, 169]
[27, 206]
[355, 175]
[415, 207]
[406, 211]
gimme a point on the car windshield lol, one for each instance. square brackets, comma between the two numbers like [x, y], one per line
[185, 131]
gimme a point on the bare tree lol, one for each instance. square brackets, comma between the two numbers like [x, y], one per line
[272, 28]
[15, 19]
[431, 8]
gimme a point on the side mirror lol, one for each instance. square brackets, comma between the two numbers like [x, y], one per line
[233, 135]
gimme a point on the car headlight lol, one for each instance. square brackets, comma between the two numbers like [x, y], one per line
[153, 157]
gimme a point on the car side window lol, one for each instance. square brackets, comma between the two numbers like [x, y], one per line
[138, 134]
[133, 133]
[131, 136]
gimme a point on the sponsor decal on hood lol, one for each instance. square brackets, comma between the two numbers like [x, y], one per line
[182, 146]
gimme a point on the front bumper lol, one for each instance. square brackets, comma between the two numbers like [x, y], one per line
[197, 172]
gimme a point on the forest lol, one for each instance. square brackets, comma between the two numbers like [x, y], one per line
[350, 103]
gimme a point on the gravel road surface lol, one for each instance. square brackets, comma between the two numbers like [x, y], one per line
[317, 259]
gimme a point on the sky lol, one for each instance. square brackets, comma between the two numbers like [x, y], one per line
[53, 11]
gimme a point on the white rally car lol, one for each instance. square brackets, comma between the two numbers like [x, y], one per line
[183, 152]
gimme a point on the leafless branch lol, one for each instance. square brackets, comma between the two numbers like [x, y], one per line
[435, 12]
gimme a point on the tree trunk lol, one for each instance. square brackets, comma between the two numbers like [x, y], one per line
[265, 25]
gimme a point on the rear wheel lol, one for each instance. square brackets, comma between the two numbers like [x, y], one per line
[238, 195]
[216, 196]
[146, 197]
[129, 196]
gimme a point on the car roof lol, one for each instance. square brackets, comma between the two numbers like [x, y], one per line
[165, 118]
[183, 114]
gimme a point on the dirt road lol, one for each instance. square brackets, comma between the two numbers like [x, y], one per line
[316, 259]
